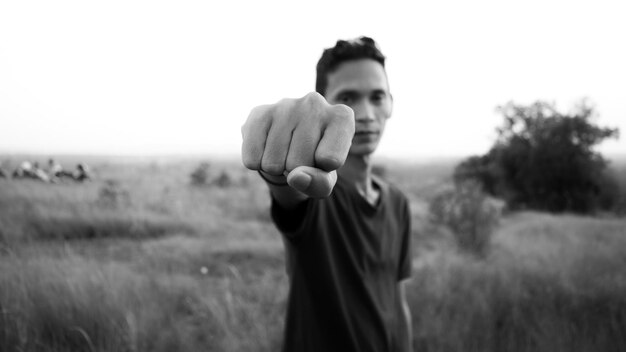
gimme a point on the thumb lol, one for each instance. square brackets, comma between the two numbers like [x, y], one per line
[311, 181]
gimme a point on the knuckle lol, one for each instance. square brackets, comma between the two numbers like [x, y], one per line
[313, 102]
[257, 110]
[258, 113]
[314, 97]
[273, 168]
[283, 110]
[283, 102]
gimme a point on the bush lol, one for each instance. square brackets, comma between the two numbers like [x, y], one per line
[200, 175]
[612, 195]
[470, 214]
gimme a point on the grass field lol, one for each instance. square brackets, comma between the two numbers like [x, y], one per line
[140, 260]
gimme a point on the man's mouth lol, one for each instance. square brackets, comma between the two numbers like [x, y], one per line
[365, 133]
[365, 136]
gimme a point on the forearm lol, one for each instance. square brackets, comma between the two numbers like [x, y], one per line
[409, 325]
[406, 312]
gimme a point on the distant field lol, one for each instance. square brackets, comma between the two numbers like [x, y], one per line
[140, 260]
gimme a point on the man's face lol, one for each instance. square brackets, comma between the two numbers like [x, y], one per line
[362, 85]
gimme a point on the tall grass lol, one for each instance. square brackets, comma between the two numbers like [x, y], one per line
[551, 284]
[74, 304]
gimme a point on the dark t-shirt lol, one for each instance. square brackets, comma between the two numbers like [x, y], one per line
[345, 258]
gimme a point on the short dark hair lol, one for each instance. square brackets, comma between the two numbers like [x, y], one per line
[345, 50]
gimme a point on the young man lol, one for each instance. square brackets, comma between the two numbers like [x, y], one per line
[346, 232]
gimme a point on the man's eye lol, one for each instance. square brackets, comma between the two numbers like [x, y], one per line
[378, 98]
[345, 99]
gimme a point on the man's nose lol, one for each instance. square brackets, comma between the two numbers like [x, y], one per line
[364, 112]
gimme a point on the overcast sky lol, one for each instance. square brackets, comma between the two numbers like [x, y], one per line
[179, 77]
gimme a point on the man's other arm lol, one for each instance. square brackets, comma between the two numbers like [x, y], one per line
[407, 314]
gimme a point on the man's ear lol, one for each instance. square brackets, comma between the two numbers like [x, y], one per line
[391, 106]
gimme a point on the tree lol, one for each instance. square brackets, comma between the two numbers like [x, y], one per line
[544, 159]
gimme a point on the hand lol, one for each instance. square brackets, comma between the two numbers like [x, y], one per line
[306, 139]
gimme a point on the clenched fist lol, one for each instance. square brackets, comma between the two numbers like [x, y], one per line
[305, 139]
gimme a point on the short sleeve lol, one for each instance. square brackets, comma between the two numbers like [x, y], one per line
[406, 250]
[290, 222]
